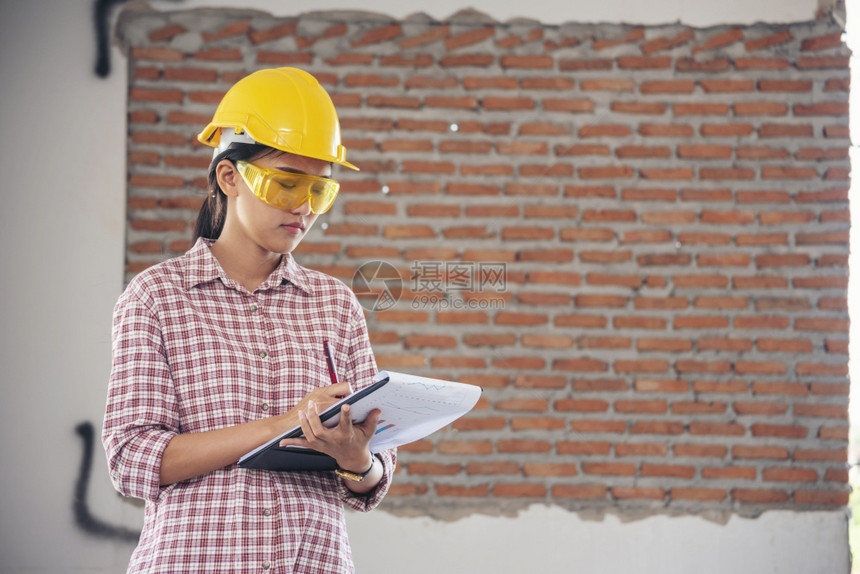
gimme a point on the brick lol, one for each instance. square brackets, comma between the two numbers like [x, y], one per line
[639, 322]
[760, 109]
[822, 497]
[832, 455]
[777, 38]
[597, 426]
[761, 152]
[630, 36]
[729, 473]
[744, 64]
[644, 62]
[493, 468]
[377, 35]
[572, 105]
[668, 470]
[579, 365]
[667, 42]
[698, 494]
[549, 469]
[607, 85]
[822, 63]
[639, 449]
[522, 490]
[604, 130]
[821, 109]
[700, 109]
[704, 152]
[785, 130]
[727, 130]
[427, 468]
[637, 492]
[639, 108]
[837, 85]
[667, 87]
[158, 224]
[465, 447]
[668, 130]
[799, 86]
[629, 151]
[429, 36]
[609, 468]
[580, 491]
[463, 102]
[718, 429]
[166, 33]
[726, 174]
[215, 54]
[535, 62]
[408, 490]
[657, 427]
[759, 496]
[720, 40]
[407, 60]
[477, 491]
[727, 86]
[584, 64]
[156, 95]
[823, 42]
[838, 132]
[697, 408]
[713, 65]
[156, 54]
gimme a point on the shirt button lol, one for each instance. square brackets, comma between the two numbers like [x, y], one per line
[267, 565]
[254, 307]
[265, 406]
[263, 354]
[267, 512]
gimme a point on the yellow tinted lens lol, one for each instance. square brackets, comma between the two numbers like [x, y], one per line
[323, 193]
[289, 190]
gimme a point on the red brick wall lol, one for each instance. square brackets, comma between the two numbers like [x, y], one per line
[670, 205]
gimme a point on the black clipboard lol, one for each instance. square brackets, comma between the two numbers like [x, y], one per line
[270, 456]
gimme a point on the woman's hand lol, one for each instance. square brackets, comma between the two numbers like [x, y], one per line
[323, 397]
[347, 442]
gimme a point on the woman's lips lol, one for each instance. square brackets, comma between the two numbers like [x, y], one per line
[295, 228]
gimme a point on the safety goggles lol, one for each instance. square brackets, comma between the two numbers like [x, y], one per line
[288, 191]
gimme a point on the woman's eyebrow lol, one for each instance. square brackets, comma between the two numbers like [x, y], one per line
[300, 172]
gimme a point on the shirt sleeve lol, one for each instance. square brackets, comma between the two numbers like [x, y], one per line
[141, 415]
[361, 368]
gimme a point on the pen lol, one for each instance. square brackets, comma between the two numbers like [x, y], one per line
[332, 373]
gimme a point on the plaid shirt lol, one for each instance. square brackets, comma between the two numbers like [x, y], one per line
[194, 351]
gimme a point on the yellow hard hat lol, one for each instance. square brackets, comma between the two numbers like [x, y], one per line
[283, 108]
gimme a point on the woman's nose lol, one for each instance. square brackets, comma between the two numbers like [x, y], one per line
[303, 209]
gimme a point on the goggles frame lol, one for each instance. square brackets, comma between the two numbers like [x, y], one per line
[289, 190]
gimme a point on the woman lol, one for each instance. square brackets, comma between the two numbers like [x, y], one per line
[224, 348]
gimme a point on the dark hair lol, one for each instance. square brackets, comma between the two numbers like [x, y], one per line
[213, 212]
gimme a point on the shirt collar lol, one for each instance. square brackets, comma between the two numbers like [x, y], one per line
[202, 267]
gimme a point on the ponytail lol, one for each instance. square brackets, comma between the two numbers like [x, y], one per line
[213, 212]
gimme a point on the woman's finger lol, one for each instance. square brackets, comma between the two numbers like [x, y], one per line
[337, 390]
[345, 423]
[312, 420]
[369, 424]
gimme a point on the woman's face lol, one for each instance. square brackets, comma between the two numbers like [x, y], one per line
[272, 229]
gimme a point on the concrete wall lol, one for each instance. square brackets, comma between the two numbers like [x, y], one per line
[62, 235]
